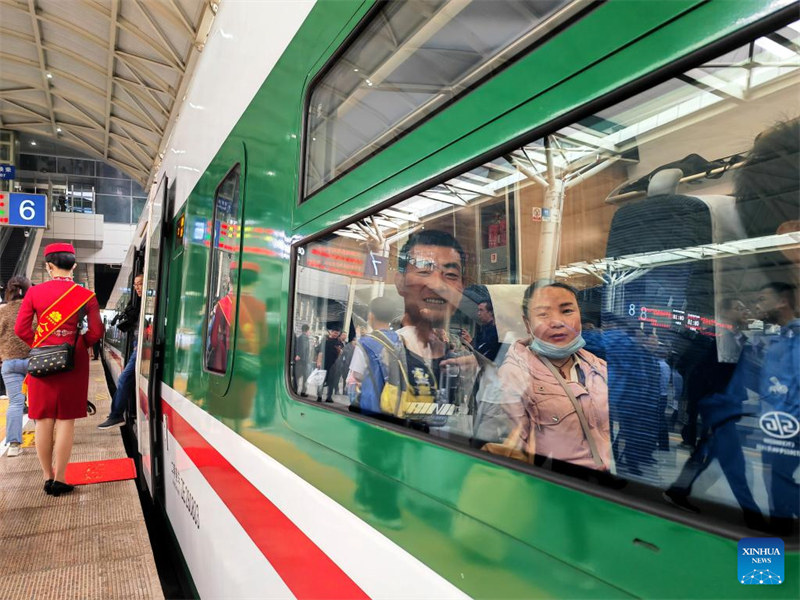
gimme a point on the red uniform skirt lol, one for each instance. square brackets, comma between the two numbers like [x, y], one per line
[64, 395]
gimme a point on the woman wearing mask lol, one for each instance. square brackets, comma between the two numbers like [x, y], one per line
[57, 400]
[14, 356]
[557, 392]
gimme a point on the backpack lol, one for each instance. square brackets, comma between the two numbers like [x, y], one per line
[386, 387]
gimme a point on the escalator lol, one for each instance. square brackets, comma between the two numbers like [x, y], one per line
[16, 246]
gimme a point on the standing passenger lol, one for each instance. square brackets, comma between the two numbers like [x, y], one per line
[60, 398]
[14, 357]
[128, 322]
[303, 360]
[327, 359]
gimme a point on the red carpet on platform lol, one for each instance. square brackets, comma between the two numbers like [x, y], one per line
[100, 471]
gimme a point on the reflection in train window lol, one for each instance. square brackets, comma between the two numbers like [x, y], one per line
[225, 244]
[411, 60]
[616, 301]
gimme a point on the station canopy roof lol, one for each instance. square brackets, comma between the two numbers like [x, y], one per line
[104, 76]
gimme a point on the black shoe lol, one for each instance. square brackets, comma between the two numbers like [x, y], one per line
[319, 398]
[111, 422]
[679, 499]
[47, 485]
[57, 488]
[328, 400]
[303, 394]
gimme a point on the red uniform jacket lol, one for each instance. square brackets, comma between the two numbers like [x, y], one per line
[64, 395]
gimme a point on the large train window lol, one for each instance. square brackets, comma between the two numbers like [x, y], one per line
[224, 261]
[411, 59]
[616, 301]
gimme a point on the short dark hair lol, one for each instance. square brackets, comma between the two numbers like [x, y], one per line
[767, 183]
[540, 285]
[334, 326]
[429, 237]
[304, 328]
[383, 309]
[61, 260]
[786, 290]
[727, 302]
[488, 303]
[16, 287]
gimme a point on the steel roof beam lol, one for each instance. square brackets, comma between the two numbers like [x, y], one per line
[145, 96]
[51, 47]
[161, 35]
[146, 39]
[140, 112]
[112, 44]
[147, 145]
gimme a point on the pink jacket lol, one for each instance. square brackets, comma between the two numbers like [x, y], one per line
[545, 418]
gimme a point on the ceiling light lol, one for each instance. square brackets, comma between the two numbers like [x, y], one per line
[369, 83]
[49, 75]
[355, 70]
[33, 143]
[58, 129]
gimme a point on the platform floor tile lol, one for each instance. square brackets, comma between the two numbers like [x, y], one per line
[92, 543]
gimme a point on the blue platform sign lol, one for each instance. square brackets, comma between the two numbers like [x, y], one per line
[27, 210]
[7, 172]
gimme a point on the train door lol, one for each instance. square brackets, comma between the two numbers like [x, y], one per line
[151, 345]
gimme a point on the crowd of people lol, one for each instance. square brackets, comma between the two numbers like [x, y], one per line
[603, 394]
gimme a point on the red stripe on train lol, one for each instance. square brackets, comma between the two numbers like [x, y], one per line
[306, 570]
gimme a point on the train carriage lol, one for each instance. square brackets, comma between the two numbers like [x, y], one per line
[617, 148]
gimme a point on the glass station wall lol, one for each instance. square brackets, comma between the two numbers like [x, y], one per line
[82, 185]
[616, 301]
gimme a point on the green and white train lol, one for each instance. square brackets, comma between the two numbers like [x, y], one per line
[604, 145]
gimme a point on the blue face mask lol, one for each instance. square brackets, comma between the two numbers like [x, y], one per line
[549, 350]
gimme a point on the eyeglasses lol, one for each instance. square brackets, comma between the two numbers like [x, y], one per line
[427, 266]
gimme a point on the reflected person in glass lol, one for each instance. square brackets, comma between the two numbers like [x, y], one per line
[560, 390]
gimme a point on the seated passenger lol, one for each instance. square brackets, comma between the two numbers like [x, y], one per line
[415, 369]
[485, 340]
[560, 391]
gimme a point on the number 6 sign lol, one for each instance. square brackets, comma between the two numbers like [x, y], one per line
[26, 210]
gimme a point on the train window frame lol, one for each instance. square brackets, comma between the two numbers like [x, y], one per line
[566, 16]
[645, 502]
[222, 376]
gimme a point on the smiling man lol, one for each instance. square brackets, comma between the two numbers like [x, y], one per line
[410, 370]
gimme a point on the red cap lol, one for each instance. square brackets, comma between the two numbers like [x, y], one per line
[60, 247]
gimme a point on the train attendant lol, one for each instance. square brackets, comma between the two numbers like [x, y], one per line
[14, 358]
[558, 391]
[58, 399]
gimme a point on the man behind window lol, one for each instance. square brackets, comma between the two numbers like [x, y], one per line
[128, 321]
[485, 340]
[303, 359]
[421, 368]
[328, 354]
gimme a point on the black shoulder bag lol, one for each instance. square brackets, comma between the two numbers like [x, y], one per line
[49, 360]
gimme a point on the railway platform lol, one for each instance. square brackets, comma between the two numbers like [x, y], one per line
[92, 543]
